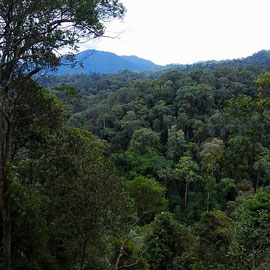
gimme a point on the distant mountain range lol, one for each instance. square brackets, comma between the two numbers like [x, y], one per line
[107, 62]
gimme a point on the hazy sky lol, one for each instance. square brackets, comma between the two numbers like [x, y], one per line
[186, 31]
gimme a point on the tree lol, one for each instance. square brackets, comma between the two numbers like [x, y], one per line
[35, 115]
[211, 154]
[264, 84]
[176, 144]
[195, 101]
[147, 195]
[167, 244]
[85, 193]
[30, 230]
[262, 166]
[144, 153]
[187, 170]
[234, 209]
[148, 199]
[144, 140]
[215, 231]
[210, 184]
[249, 118]
[254, 229]
[226, 191]
[32, 33]
[127, 254]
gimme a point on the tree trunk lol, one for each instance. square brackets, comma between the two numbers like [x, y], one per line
[121, 252]
[253, 259]
[5, 210]
[83, 254]
[258, 179]
[5, 181]
[5, 213]
[208, 199]
[186, 194]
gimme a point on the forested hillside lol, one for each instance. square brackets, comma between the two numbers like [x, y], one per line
[201, 139]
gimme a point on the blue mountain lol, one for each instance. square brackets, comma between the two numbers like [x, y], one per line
[104, 62]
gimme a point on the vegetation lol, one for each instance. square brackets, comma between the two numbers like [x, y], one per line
[31, 34]
[203, 136]
[128, 170]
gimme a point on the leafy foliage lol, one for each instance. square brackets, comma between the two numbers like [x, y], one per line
[167, 244]
[192, 143]
[147, 195]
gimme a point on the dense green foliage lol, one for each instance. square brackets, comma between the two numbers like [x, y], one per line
[32, 35]
[201, 139]
[141, 171]
[192, 149]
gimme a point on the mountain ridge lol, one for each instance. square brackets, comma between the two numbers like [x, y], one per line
[90, 61]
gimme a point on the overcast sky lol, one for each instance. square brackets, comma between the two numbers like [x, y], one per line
[186, 31]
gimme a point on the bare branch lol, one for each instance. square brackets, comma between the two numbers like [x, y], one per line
[121, 252]
[128, 265]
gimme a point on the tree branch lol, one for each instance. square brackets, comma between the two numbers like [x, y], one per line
[121, 252]
[128, 265]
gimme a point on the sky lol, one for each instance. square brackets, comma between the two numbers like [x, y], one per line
[187, 31]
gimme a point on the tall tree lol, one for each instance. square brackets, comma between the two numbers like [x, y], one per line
[187, 170]
[86, 194]
[31, 35]
[215, 231]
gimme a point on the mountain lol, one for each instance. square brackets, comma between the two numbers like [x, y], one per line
[107, 62]
[104, 62]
